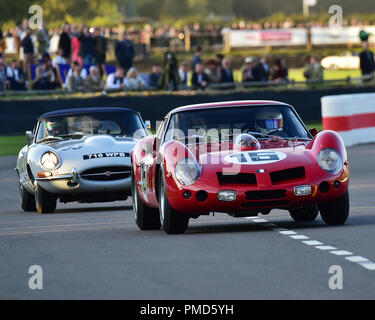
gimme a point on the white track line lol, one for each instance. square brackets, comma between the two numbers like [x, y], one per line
[349, 256]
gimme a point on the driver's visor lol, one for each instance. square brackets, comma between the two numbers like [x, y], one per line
[270, 124]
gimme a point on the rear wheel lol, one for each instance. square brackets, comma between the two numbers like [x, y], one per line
[335, 212]
[306, 213]
[145, 217]
[45, 201]
[172, 221]
[27, 199]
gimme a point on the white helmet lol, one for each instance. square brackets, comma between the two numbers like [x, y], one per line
[267, 121]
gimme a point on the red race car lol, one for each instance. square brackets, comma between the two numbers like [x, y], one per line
[242, 158]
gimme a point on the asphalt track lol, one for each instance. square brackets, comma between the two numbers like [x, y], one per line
[96, 251]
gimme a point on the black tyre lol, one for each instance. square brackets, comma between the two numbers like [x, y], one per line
[306, 213]
[171, 221]
[335, 212]
[145, 217]
[45, 201]
[27, 199]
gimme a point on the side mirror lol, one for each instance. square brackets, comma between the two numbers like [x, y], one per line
[148, 124]
[29, 136]
[313, 132]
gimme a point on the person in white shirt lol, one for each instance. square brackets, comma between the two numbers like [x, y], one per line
[116, 80]
[16, 76]
[59, 59]
[133, 80]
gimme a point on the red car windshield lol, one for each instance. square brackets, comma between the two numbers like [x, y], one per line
[263, 120]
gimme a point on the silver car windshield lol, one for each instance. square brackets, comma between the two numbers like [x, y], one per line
[117, 124]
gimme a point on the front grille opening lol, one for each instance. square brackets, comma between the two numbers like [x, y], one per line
[239, 178]
[107, 173]
[288, 174]
[260, 204]
[265, 194]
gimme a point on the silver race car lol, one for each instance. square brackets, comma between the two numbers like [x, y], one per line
[78, 155]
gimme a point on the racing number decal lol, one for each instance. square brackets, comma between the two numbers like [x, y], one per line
[255, 157]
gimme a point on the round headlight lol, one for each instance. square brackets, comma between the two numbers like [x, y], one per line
[187, 171]
[50, 160]
[330, 160]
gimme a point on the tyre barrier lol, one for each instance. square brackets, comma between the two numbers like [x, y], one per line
[350, 115]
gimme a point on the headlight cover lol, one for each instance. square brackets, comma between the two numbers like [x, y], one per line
[187, 171]
[330, 160]
[50, 160]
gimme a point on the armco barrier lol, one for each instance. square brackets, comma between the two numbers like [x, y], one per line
[351, 115]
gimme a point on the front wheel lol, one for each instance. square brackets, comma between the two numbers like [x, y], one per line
[27, 199]
[304, 214]
[45, 201]
[336, 211]
[172, 221]
[145, 217]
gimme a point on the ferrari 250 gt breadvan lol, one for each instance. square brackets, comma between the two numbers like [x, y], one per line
[242, 158]
[78, 155]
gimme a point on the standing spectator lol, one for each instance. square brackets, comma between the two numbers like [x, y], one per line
[262, 70]
[226, 72]
[100, 49]
[367, 62]
[3, 77]
[87, 51]
[16, 76]
[219, 59]
[133, 80]
[170, 78]
[280, 72]
[314, 71]
[94, 81]
[155, 76]
[247, 73]
[46, 75]
[199, 79]
[2, 41]
[197, 58]
[213, 71]
[124, 51]
[183, 74]
[75, 81]
[116, 80]
[43, 41]
[65, 42]
[76, 47]
[28, 53]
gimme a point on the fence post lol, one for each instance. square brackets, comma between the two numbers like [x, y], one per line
[187, 41]
[227, 46]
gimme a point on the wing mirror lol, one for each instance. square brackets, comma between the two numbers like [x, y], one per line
[29, 136]
[313, 132]
[148, 124]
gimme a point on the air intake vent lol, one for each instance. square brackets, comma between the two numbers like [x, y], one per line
[265, 194]
[240, 178]
[284, 176]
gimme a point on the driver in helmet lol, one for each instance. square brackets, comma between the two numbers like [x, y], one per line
[56, 128]
[269, 121]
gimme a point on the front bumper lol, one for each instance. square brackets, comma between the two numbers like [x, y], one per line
[74, 183]
[249, 199]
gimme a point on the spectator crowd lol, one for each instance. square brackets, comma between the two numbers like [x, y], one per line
[80, 62]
